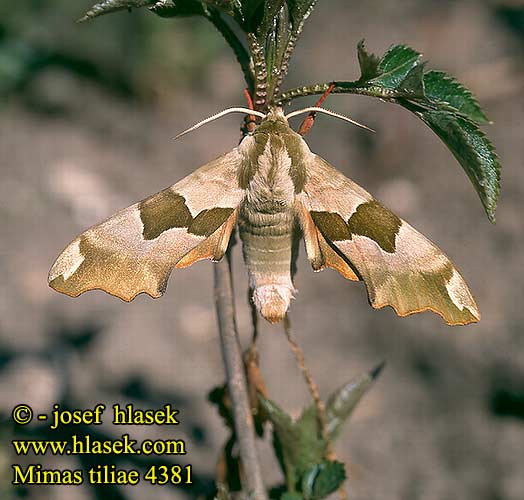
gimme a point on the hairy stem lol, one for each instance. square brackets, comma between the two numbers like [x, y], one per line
[236, 379]
[338, 88]
[292, 40]
[315, 89]
[286, 56]
[260, 69]
[276, 43]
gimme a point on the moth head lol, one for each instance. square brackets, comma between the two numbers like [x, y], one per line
[276, 113]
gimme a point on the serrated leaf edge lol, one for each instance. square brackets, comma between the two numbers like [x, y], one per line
[466, 91]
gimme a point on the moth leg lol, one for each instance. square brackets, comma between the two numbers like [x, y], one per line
[307, 124]
[250, 120]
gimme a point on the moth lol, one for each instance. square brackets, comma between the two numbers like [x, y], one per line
[276, 192]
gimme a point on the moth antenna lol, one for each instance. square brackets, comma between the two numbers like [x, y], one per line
[316, 109]
[220, 115]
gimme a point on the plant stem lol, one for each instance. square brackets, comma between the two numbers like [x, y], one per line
[286, 57]
[236, 379]
[312, 386]
[338, 88]
[260, 69]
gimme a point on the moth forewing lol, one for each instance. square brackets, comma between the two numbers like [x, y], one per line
[135, 250]
[214, 247]
[400, 267]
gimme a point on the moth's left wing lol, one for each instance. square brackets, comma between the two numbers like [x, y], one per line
[362, 239]
[135, 250]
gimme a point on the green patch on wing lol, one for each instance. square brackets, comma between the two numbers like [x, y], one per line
[163, 211]
[413, 292]
[208, 221]
[168, 210]
[370, 219]
[117, 273]
[373, 220]
[331, 225]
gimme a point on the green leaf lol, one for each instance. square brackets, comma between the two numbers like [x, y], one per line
[232, 8]
[271, 16]
[253, 13]
[278, 417]
[442, 89]
[413, 84]
[291, 496]
[445, 105]
[398, 74]
[343, 401]
[395, 66]
[439, 100]
[473, 150]
[299, 11]
[108, 6]
[322, 480]
[300, 443]
[368, 63]
[260, 16]
[186, 8]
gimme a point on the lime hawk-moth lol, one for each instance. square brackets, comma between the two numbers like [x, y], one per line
[276, 191]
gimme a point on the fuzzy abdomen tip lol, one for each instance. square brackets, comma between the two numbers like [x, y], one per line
[272, 301]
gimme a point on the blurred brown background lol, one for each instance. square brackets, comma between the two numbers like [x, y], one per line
[87, 114]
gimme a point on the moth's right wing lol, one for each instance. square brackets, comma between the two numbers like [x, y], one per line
[347, 229]
[135, 250]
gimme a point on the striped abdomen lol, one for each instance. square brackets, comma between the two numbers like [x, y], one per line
[267, 246]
